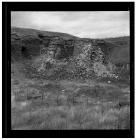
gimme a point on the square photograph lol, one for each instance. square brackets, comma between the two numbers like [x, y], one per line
[70, 70]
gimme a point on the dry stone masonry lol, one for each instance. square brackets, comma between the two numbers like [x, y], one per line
[78, 55]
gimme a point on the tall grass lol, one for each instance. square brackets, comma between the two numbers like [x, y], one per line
[62, 108]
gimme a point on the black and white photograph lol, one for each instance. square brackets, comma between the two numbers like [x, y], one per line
[70, 70]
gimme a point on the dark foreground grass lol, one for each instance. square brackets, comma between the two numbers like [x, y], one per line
[63, 108]
[76, 117]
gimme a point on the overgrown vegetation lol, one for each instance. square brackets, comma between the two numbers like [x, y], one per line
[45, 105]
[86, 65]
[84, 90]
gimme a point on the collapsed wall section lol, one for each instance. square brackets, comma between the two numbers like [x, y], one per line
[29, 46]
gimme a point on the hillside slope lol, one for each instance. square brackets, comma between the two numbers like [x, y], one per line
[121, 41]
[57, 83]
[48, 50]
[117, 48]
[34, 32]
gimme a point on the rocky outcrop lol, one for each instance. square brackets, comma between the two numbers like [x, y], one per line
[25, 47]
[29, 43]
[31, 46]
[55, 47]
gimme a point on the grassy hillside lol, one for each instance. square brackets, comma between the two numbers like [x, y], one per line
[25, 31]
[121, 52]
[42, 101]
[119, 48]
[120, 41]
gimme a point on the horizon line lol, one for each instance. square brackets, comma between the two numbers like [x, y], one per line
[71, 34]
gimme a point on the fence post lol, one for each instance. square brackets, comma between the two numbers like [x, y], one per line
[42, 95]
[27, 94]
[74, 100]
[58, 100]
[87, 101]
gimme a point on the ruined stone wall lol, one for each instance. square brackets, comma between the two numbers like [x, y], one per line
[54, 47]
[25, 47]
[59, 48]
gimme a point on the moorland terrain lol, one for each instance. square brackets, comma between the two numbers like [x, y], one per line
[63, 82]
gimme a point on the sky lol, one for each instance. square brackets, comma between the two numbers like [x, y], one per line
[92, 24]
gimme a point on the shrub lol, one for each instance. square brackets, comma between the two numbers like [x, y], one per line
[88, 63]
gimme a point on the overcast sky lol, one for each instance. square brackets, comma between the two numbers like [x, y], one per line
[82, 24]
